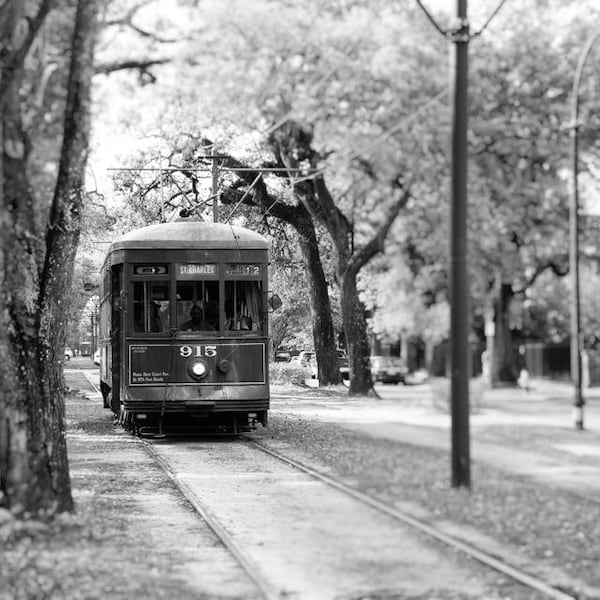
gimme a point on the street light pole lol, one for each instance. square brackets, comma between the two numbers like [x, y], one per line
[576, 334]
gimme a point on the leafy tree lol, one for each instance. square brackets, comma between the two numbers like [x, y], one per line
[40, 231]
[178, 188]
[403, 307]
[520, 151]
[521, 77]
[289, 323]
[294, 144]
[321, 89]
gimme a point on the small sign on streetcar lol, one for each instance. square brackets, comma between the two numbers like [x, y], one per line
[193, 270]
[150, 270]
[238, 269]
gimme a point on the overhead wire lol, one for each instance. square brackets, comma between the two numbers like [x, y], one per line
[447, 32]
[243, 197]
[494, 13]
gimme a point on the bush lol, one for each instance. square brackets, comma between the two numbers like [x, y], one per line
[285, 373]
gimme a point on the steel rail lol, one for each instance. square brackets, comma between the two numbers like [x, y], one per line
[267, 590]
[490, 561]
[89, 378]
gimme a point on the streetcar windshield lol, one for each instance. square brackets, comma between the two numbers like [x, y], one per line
[198, 306]
[243, 306]
[150, 306]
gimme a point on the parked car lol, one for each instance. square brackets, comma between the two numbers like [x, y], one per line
[68, 354]
[282, 356]
[306, 356]
[388, 369]
[96, 358]
[343, 364]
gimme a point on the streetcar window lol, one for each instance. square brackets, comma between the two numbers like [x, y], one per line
[198, 306]
[243, 306]
[150, 307]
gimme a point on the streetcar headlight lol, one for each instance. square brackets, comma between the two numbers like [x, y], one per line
[198, 369]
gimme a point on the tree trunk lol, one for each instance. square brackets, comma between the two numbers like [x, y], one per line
[504, 367]
[355, 330]
[320, 306]
[34, 475]
[292, 143]
[429, 347]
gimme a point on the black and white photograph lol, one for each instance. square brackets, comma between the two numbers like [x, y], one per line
[299, 300]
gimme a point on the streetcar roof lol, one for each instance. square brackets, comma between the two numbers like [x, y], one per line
[190, 234]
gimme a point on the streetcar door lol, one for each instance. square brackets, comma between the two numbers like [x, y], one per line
[116, 342]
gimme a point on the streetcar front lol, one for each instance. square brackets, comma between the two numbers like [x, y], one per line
[193, 312]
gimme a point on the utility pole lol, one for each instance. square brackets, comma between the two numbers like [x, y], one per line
[459, 288]
[460, 357]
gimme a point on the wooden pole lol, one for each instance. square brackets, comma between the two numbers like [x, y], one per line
[459, 292]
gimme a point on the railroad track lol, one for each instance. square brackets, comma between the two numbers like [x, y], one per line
[270, 591]
[488, 560]
[263, 585]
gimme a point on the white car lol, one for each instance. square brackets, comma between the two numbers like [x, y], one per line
[68, 354]
[344, 365]
[388, 369]
[307, 360]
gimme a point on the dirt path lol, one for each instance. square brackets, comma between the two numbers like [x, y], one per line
[141, 537]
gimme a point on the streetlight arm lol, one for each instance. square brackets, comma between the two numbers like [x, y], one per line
[578, 74]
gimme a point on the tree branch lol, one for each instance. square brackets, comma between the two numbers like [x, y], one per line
[127, 21]
[143, 66]
[376, 244]
[13, 58]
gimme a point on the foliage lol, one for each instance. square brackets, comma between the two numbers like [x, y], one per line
[521, 76]
[283, 373]
[546, 308]
[402, 305]
[290, 325]
[521, 145]
[375, 96]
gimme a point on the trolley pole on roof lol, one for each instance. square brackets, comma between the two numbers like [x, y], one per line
[459, 289]
[162, 190]
[215, 185]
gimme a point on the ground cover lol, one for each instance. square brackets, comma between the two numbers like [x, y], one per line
[544, 529]
[100, 552]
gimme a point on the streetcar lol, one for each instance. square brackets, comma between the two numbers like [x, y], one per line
[183, 328]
